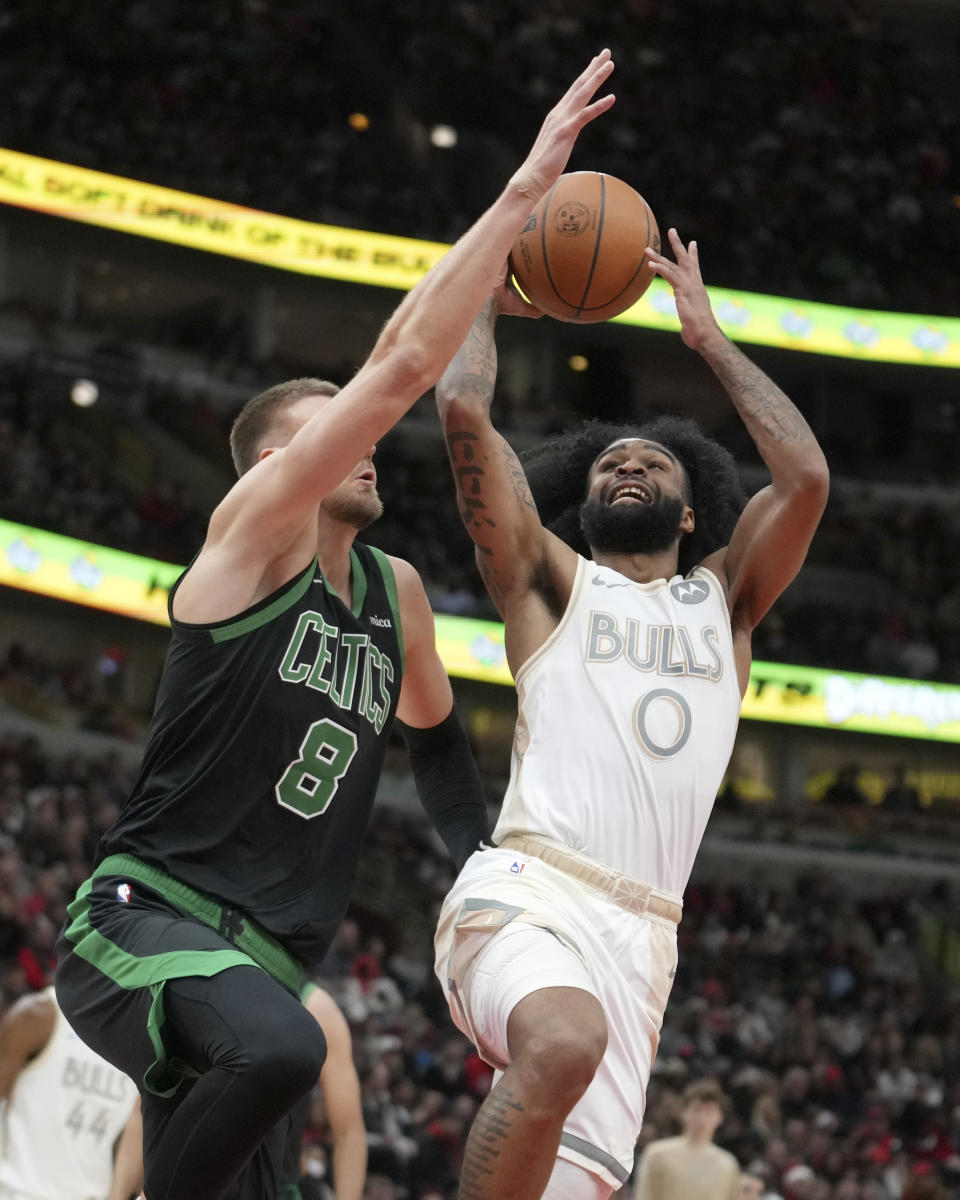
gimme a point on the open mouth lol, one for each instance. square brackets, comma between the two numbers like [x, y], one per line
[631, 493]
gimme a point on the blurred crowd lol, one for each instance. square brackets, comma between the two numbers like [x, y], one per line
[808, 146]
[83, 690]
[837, 1046]
[57, 474]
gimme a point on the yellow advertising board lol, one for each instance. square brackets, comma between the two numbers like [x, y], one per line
[200, 223]
[353, 255]
[82, 573]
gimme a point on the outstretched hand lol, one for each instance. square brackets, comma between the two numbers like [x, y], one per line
[548, 156]
[697, 322]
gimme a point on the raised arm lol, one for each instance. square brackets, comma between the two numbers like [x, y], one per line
[527, 571]
[773, 534]
[421, 337]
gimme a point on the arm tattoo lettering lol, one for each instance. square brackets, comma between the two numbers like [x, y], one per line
[474, 370]
[518, 480]
[468, 475]
[757, 398]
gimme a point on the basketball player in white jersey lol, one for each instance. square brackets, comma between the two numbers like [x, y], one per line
[70, 1121]
[557, 947]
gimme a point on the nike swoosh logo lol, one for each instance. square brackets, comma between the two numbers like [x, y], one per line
[603, 583]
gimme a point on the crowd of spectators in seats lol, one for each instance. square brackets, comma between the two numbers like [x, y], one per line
[57, 474]
[810, 148]
[839, 1051]
[81, 690]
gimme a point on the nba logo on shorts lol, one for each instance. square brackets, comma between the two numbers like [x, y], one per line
[517, 867]
[123, 893]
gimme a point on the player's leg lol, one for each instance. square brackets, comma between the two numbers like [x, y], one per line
[257, 1051]
[533, 1005]
[572, 1182]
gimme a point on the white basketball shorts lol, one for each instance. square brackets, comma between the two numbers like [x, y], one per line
[512, 925]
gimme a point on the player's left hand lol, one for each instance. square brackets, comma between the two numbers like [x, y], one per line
[508, 300]
[697, 322]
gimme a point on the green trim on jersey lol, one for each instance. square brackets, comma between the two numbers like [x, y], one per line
[254, 620]
[358, 583]
[390, 583]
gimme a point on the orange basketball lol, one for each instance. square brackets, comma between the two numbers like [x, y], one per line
[580, 256]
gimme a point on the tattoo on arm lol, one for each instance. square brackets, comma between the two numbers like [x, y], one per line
[468, 475]
[474, 369]
[521, 489]
[757, 398]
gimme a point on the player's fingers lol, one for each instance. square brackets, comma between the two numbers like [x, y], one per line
[583, 87]
[596, 63]
[657, 261]
[664, 270]
[674, 239]
[596, 108]
[516, 304]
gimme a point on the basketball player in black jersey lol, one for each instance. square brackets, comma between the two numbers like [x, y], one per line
[292, 651]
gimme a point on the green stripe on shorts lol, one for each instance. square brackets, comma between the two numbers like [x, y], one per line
[127, 971]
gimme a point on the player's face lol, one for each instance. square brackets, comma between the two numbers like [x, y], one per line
[636, 499]
[356, 501]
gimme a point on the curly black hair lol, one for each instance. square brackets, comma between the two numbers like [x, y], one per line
[557, 473]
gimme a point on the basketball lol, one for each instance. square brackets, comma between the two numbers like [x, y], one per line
[580, 256]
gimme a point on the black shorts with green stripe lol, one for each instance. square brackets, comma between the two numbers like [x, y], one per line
[132, 929]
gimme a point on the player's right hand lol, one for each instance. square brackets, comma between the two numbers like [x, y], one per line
[549, 154]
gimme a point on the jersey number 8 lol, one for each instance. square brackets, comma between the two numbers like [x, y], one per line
[308, 784]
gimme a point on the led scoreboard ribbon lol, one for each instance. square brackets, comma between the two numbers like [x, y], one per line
[355, 256]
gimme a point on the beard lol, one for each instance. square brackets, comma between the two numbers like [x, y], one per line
[632, 528]
[358, 511]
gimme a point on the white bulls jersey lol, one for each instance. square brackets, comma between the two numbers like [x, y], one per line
[64, 1115]
[627, 716]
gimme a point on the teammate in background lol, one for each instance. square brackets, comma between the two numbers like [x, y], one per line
[232, 862]
[557, 948]
[690, 1165]
[66, 1111]
[340, 1088]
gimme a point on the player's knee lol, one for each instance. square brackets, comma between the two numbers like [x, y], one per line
[565, 1056]
[290, 1058]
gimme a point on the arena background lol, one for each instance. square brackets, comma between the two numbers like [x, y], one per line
[812, 151]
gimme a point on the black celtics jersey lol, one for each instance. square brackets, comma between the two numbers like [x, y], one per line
[265, 750]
